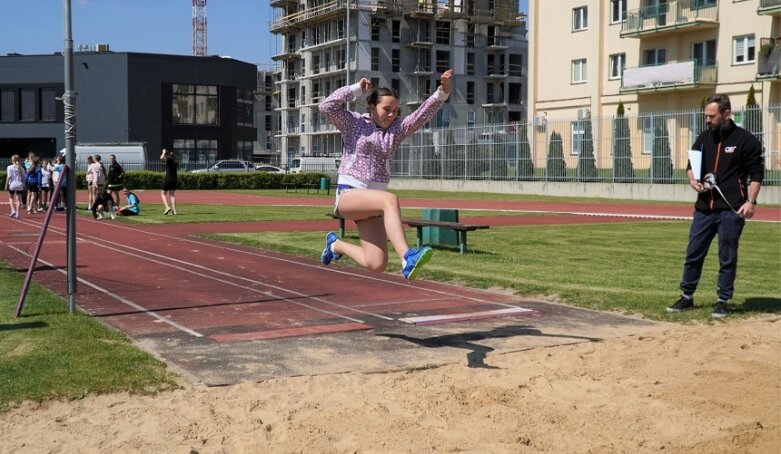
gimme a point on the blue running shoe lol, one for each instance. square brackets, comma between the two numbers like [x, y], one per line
[414, 260]
[327, 254]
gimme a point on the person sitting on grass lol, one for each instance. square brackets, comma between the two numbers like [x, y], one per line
[133, 207]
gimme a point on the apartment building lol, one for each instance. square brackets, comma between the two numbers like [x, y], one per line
[403, 44]
[653, 55]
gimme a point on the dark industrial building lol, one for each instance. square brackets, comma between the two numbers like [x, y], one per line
[200, 106]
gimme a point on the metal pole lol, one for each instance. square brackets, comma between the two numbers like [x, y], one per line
[347, 46]
[69, 102]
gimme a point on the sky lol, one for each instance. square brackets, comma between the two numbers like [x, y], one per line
[235, 28]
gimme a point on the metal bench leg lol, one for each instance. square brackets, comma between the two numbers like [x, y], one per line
[462, 241]
[420, 237]
[341, 228]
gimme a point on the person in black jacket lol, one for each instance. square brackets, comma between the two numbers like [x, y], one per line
[728, 185]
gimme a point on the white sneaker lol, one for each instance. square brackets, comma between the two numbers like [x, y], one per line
[99, 216]
[113, 216]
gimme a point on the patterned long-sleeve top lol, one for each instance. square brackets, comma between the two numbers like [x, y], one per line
[368, 149]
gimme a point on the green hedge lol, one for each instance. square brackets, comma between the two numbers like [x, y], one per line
[211, 180]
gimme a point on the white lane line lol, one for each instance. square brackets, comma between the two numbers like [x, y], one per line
[465, 316]
[125, 250]
[125, 301]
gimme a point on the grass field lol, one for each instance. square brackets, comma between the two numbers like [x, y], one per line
[628, 267]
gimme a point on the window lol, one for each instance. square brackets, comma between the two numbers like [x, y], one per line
[470, 119]
[244, 111]
[442, 119]
[7, 103]
[579, 71]
[578, 135]
[315, 64]
[579, 18]
[443, 32]
[470, 92]
[396, 85]
[396, 31]
[375, 81]
[617, 63]
[48, 104]
[396, 60]
[704, 53]
[376, 30]
[648, 135]
[375, 58]
[617, 11]
[470, 64]
[655, 57]
[516, 65]
[697, 4]
[195, 104]
[443, 60]
[27, 104]
[470, 36]
[340, 29]
[743, 49]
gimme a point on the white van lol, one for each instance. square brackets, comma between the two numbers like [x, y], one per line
[328, 166]
[132, 156]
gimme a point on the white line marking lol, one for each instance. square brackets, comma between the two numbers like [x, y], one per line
[465, 315]
[112, 247]
[117, 297]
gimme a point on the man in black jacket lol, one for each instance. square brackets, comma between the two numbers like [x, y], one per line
[731, 175]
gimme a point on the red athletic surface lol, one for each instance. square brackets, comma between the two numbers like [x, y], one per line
[163, 280]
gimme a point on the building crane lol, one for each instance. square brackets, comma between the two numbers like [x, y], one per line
[199, 28]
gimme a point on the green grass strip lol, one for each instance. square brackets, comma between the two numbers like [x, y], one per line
[48, 353]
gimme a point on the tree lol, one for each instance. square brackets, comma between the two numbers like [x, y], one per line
[557, 167]
[587, 167]
[661, 162]
[525, 165]
[622, 148]
[753, 115]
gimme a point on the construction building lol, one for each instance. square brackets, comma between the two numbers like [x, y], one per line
[403, 44]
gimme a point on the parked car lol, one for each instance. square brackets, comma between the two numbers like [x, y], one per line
[268, 168]
[228, 165]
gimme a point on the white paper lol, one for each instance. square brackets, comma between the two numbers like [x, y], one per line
[695, 159]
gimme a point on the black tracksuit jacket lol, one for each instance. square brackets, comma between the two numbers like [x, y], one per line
[734, 156]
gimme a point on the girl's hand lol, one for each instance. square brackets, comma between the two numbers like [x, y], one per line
[445, 81]
[366, 84]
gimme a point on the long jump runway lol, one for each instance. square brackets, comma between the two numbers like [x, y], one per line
[223, 314]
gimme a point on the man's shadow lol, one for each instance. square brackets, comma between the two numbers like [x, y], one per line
[764, 304]
[476, 356]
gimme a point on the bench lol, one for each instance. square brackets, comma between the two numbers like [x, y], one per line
[460, 228]
[307, 186]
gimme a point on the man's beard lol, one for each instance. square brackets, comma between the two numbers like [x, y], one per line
[720, 129]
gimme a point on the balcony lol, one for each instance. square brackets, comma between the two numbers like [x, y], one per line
[419, 39]
[769, 7]
[769, 59]
[283, 3]
[316, 14]
[497, 43]
[671, 18]
[286, 56]
[667, 77]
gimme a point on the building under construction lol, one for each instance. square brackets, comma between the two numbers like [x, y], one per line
[403, 44]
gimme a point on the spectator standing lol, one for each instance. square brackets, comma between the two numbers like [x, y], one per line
[33, 182]
[732, 171]
[115, 178]
[14, 184]
[46, 183]
[90, 176]
[58, 169]
[168, 193]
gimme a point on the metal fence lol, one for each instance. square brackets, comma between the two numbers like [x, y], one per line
[637, 148]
